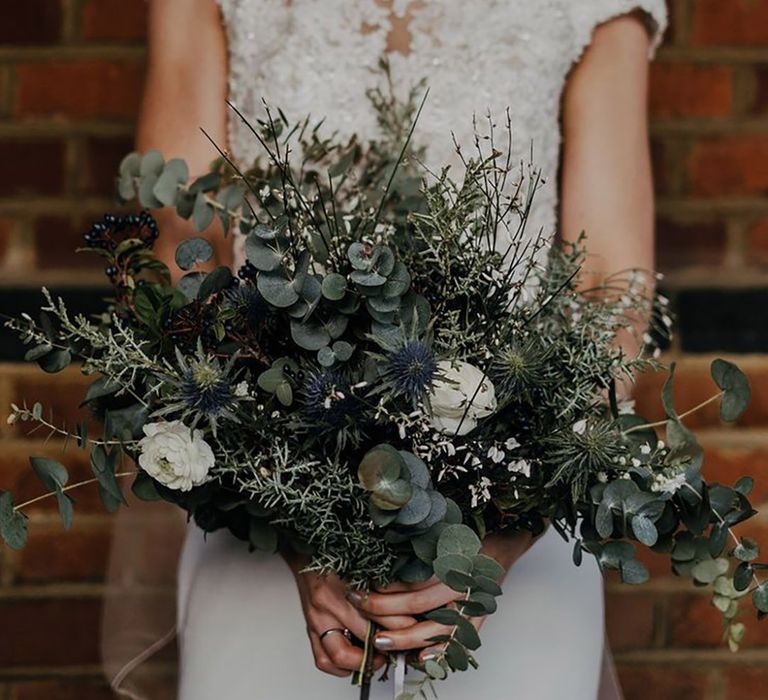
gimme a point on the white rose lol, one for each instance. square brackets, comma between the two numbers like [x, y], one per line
[176, 456]
[453, 390]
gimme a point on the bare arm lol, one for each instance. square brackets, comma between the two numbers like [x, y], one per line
[607, 187]
[185, 89]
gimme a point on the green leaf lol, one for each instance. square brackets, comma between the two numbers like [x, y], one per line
[645, 531]
[392, 495]
[38, 352]
[214, 282]
[435, 670]
[334, 286]
[104, 465]
[262, 256]
[458, 539]
[760, 597]
[451, 562]
[742, 577]
[53, 474]
[189, 285]
[13, 524]
[744, 485]
[485, 600]
[417, 508]
[746, 550]
[633, 572]
[458, 581]
[175, 173]
[277, 290]
[604, 521]
[284, 393]
[735, 386]
[55, 361]
[488, 585]
[379, 464]
[425, 546]
[666, 394]
[145, 488]
[309, 336]
[444, 616]
[193, 251]
[467, 635]
[456, 656]
[707, 571]
[202, 212]
[151, 163]
[262, 536]
[683, 444]
[483, 565]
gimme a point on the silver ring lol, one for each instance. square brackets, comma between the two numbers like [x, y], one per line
[336, 630]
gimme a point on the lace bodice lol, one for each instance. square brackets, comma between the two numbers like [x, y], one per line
[319, 57]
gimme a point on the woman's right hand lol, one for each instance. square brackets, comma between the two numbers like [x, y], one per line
[325, 605]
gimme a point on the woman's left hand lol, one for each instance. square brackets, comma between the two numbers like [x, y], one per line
[403, 599]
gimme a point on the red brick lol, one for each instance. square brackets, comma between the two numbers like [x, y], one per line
[54, 555]
[759, 103]
[664, 683]
[114, 20]
[731, 22]
[83, 689]
[31, 167]
[629, 620]
[744, 682]
[84, 89]
[686, 244]
[731, 165]
[757, 243]
[30, 22]
[103, 156]
[694, 623]
[50, 631]
[727, 464]
[691, 90]
[56, 243]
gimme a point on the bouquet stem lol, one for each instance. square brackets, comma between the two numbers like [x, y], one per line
[366, 668]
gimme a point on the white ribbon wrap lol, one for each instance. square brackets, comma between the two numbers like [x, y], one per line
[399, 675]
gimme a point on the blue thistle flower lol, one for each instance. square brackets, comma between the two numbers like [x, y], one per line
[411, 369]
[206, 388]
[328, 399]
[248, 303]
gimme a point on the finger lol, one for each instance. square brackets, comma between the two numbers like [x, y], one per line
[394, 622]
[415, 637]
[400, 586]
[341, 652]
[351, 618]
[431, 652]
[322, 659]
[410, 603]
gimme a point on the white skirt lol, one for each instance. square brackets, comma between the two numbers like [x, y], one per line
[242, 632]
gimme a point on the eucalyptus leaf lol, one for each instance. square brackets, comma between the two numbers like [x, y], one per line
[735, 387]
[13, 524]
[458, 539]
[192, 252]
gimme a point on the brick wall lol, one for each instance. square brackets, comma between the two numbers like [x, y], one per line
[70, 79]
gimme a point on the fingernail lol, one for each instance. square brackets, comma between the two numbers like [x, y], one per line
[428, 656]
[354, 598]
[383, 643]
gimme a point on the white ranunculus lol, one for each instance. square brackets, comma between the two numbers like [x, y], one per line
[451, 393]
[176, 456]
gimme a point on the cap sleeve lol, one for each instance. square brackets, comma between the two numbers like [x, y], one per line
[586, 15]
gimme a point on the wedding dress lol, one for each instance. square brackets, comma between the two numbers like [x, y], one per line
[241, 630]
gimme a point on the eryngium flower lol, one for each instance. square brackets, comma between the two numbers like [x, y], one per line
[205, 387]
[411, 369]
[248, 304]
[328, 399]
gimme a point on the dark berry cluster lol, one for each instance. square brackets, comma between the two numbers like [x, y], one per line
[247, 272]
[111, 230]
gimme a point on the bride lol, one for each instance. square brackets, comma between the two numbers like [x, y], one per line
[574, 75]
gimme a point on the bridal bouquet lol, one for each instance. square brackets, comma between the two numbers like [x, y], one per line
[395, 372]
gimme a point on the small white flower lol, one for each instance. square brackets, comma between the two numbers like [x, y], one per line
[668, 484]
[580, 426]
[455, 393]
[495, 454]
[636, 462]
[174, 455]
[511, 444]
[645, 449]
[520, 466]
[602, 477]
[627, 406]
[241, 389]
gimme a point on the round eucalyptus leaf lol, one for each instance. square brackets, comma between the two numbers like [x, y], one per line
[425, 546]
[437, 512]
[343, 350]
[451, 562]
[392, 495]
[434, 670]
[260, 255]
[760, 597]
[309, 336]
[334, 286]
[444, 616]
[383, 304]
[151, 163]
[467, 635]
[604, 521]
[381, 463]
[126, 188]
[55, 361]
[453, 512]
[193, 251]
[735, 386]
[418, 470]
[189, 285]
[368, 279]
[385, 260]
[486, 600]
[336, 326]
[417, 508]
[130, 165]
[742, 577]
[147, 192]
[326, 356]
[458, 539]
[381, 518]
[266, 233]
[284, 393]
[398, 281]
[707, 571]
[174, 174]
[483, 565]
[633, 572]
[414, 571]
[276, 290]
[747, 550]
[456, 656]
[645, 531]
[13, 525]
[359, 254]
[270, 379]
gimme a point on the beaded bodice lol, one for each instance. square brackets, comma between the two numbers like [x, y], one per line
[478, 57]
